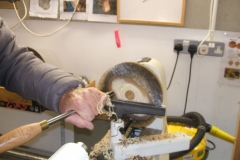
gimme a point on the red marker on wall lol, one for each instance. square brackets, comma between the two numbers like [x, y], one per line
[117, 38]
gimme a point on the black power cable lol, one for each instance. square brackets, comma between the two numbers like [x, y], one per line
[192, 49]
[195, 119]
[213, 144]
[177, 47]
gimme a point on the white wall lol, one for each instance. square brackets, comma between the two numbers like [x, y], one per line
[89, 49]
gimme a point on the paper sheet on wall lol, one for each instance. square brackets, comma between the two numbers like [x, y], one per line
[67, 8]
[230, 65]
[43, 8]
[103, 11]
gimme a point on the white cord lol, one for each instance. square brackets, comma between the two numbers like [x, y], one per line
[25, 15]
[39, 35]
[209, 30]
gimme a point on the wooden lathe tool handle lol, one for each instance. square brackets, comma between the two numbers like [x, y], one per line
[19, 136]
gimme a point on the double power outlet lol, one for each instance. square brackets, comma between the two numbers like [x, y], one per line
[208, 48]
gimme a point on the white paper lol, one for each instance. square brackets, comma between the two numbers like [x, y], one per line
[44, 8]
[230, 65]
[152, 10]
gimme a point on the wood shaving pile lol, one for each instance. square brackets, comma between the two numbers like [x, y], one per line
[139, 158]
[102, 147]
[144, 139]
[100, 106]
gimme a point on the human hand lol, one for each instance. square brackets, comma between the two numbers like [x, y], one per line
[85, 102]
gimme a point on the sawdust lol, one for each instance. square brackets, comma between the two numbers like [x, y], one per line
[137, 140]
[139, 158]
[103, 146]
[100, 106]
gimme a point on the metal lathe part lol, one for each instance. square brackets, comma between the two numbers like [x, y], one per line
[146, 82]
[84, 146]
[22, 155]
[44, 125]
[60, 117]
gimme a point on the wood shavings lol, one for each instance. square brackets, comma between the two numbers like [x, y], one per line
[102, 147]
[137, 140]
[100, 105]
[139, 158]
[127, 141]
[110, 111]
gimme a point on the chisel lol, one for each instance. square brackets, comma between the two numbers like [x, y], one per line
[25, 133]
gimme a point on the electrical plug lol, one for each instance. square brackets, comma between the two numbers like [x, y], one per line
[178, 47]
[192, 49]
[203, 49]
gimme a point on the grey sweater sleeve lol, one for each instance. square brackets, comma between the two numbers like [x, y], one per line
[25, 74]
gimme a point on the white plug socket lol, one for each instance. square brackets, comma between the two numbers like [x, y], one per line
[218, 50]
[208, 48]
[186, 43]
[203, 49]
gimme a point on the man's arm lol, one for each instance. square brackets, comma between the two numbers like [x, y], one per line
[23, 73]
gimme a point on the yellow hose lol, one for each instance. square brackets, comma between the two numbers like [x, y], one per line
[215, 131]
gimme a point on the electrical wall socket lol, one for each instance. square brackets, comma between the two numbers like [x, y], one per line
[214, 48]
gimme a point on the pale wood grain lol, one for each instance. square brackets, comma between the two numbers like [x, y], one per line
[19, 136]
[236, 150]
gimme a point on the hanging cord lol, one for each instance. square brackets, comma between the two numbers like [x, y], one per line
[25, 14]
[209, 29]
[39, 35]
[189, 79]
[192, 49]
[213, 145]
[173, 71]
[178, 47]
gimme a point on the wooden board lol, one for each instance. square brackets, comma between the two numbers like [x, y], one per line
[156, 12]
[8, 96]
[14, 101]
[7, 5]
[91, 84]
[236, 150]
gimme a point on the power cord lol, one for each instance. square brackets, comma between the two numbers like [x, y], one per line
[213, 145]
[25, 14]
[177, 47]
[192, 49]
[40, 35]
[210, 31]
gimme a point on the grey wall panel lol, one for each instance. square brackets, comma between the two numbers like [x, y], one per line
[197, 14]
[228, 17]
